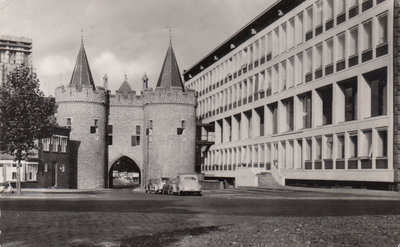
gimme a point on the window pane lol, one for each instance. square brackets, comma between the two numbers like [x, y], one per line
[353, 41]
[299, 68]
[269, 43]
[352, 3]
[282, 38]
[290, 33]
[282, 72]
[329, 9]
[308, 149]
[318, 56]
[382, 143]
[340, 147]
[318, 13]
[290, 71]
[329, 52]
[367, 144]
[309, 21]
[382, 29]
[340, 4]
[353, 146]
[367, 39]
[308, 65]
[299, 28]
[340, 47]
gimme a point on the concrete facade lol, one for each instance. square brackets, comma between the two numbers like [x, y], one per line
[307, 91]
[14, 51]
[396, 91]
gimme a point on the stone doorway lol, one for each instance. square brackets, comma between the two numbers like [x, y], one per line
[124, 173]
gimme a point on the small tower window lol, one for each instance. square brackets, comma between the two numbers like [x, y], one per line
[149, 129]
[95, 127]
[135, 139]
[110, 135]
[68, 122]
[182, 128]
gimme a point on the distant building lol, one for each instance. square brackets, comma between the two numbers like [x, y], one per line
[54, 165]
[126, 138]
[14, 51]
[307, 92]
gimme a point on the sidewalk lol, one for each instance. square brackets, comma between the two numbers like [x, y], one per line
[365, 192]
[41, 193]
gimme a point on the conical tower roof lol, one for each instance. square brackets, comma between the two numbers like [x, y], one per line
[170, 75]
[82, 74]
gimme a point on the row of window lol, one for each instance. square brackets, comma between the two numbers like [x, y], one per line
[362, 149]
[55, 144]
[14, 57]
[282, 38]
[313, 108]
[135, 139]
[28, 172]
[313, 63]
[60, 166]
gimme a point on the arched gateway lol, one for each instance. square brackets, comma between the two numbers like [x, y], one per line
[124, 173]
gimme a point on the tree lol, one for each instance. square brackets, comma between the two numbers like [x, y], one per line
[25, 115]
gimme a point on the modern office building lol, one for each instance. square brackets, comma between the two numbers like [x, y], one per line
[307, 92]
[13, 51]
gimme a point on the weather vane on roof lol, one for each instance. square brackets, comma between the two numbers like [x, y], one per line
[170, 30]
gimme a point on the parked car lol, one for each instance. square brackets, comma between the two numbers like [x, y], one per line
[151, 185]
[160, 184]
[6, 188]
[169, 187]
[188, 183]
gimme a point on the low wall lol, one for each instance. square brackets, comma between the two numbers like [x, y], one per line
[211, 185]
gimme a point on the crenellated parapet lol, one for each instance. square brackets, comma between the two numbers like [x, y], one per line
[85, 95]
[172, 95]
[121, 99]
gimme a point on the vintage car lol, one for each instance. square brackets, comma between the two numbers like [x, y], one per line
[160, 184]
[188, 183]
[183, 184]
[169, 187]
[6, 188]
[151, 185]
[156, 185]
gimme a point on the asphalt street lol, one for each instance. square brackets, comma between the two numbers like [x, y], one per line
[229, 202]
[218, 218]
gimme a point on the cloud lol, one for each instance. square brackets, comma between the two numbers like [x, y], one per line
[123, 36]
[108, 63]
[54, 65]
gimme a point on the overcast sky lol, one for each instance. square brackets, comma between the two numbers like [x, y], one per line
[121, 36]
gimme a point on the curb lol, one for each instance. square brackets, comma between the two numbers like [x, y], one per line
[333, 190]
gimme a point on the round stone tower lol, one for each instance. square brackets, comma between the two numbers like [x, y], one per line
[83, 108]
[170, 120]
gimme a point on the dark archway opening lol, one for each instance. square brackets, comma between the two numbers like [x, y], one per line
[124, 173]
